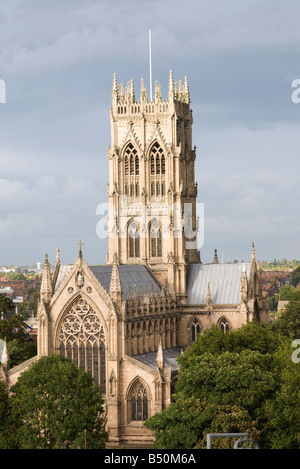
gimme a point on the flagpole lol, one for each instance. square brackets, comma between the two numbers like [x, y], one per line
[150, 61]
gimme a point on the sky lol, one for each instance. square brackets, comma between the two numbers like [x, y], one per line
[57, 61]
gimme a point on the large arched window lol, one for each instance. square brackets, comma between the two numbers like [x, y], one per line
[133, 237]
[81, 338]
[138, 403]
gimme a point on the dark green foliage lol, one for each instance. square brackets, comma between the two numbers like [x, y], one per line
[247, 373]
[289, 322]
[295, 278]
[6, 304]
[54, 403]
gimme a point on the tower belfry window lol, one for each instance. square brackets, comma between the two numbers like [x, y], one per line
[157, 170]
[157, 159]
[131, 171]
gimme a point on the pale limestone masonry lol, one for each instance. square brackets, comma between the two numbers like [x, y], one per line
[126, 321]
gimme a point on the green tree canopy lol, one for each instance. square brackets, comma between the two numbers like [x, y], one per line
[289, 322]
[285, 291]
[241, 373]
[295, 278]
[55, 405]
[6, 304]
[5, 434]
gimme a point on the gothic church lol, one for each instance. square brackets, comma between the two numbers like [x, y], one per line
[125, 322]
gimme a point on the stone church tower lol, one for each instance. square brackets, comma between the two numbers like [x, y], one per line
[152, 182]
[125, 322]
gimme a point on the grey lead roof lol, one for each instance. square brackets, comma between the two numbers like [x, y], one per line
[130, 275]
[223, 279]
[170, 358]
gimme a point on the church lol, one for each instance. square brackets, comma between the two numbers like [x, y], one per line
[126, 321]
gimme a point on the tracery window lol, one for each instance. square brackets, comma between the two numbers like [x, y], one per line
[195, 329]
[157, 170]
[138, 403]
[131, 170]
[82, 338]
[224, 325]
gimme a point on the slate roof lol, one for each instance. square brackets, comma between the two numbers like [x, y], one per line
[130, 275]
[63, 272]
[223, 279]
[170, 358]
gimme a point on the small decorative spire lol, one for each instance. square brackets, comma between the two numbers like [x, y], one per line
[143, 91]
[46, 285]
[115, 84]
[157, 91]
[252, 253]
[186, 90]
[208, 295]
[115, 280]
[171, 83]
[132, 95]
[216, 257]
[160, 356]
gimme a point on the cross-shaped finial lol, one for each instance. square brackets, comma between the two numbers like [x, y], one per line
[80, 252]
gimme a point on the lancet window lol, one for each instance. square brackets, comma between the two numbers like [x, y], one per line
[138, 403]
[131, 170]
[195, 329]
[157, 170]
[82, 338]
[133, 237]
[155, 239]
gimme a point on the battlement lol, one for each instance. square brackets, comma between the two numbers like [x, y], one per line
[124, 101]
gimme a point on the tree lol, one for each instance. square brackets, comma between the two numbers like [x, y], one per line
[289, 322]
[6, 304]
[282, 413]
[5, 434]
[56, 405]
[295, 278]
[285, 291]
[211, 386]
[241, 373]
[13, 328]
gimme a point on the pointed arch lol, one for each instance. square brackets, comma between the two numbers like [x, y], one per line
[138, 399]
[131, 169]
[155, 238]
[133, 239]
[157, 159]
[81, 337]
[194, 328]
[223, 324]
